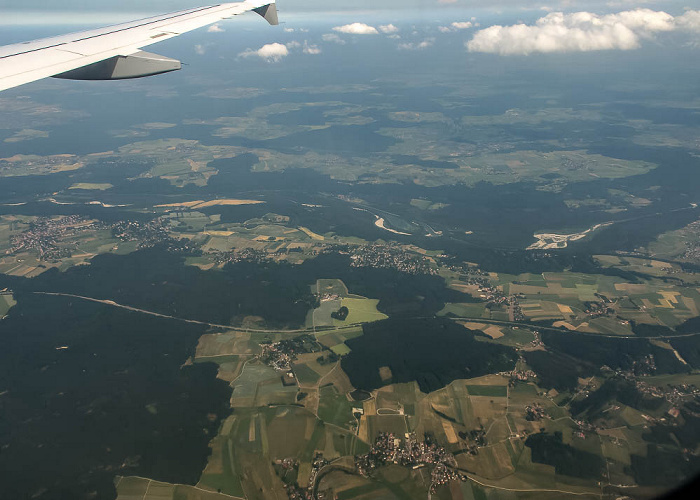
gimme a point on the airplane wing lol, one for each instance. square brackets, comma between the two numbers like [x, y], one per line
[112, 53]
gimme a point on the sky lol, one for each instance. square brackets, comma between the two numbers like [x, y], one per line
[504, 28]
[348, 5]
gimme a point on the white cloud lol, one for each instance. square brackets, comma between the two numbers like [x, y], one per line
[465, 25]
[333, 38]
[200, 49]
[288, 30]
[388, 29]
[428, 42]
[293, 45]
[357, 29]
[690, 21]
[576, 32]
[457, 25]
[311, 49]
[272, 52]
[215, 28]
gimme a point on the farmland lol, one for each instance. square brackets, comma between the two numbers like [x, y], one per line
[416, 279]
[606, 304]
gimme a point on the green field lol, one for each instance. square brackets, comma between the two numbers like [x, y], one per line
[466, 310]
[512, 337]
[305, 375]
[494, 391]
[340, 349]
[322, 314]
[350, 333]
[360, 311]
[260, 385]
[335, 408]
[332, 287]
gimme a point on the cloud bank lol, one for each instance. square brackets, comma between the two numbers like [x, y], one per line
[581, 32]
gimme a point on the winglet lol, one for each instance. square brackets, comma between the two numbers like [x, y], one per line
[269, 12]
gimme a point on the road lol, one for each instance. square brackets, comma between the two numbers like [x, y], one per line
[354, 325]
[530, 326]
[112, 303]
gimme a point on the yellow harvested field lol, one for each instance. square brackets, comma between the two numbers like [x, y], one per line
[204, 267]
[311, 234]
[565, 324]
[211, 203]
[370, 407]
[671, 297]
[565, 309]
[449, 432]
[251, 430]
[186, 204]
[385, 373]
[662, 303]
[219, 233]
[473, 326]
[494, 332]
[662, 344]
[229, 203]
[21, 270]
[679, 357]
[363, 431]
[68, 168]
[195, 166]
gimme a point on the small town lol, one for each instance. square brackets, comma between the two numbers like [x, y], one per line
[45, 233]
[151, 234]
[280, 355]
[409, 452]
[296, 492]
[493, 296]
[391, 256]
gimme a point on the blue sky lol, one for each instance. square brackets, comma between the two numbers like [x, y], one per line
[503, 27]
[51, 12]
[334, 5]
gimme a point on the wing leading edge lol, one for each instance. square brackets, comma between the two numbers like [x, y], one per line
[114, 52]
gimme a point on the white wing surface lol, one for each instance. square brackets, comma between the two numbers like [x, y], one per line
[113, 52]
